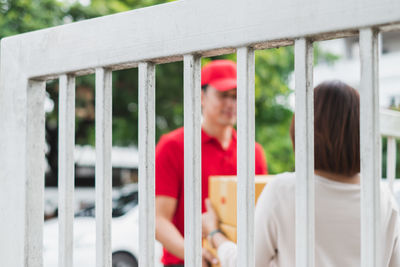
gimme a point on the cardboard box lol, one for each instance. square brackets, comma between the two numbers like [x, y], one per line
[229, 231]
[222, 194]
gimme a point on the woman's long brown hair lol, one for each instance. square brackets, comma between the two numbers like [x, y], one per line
[336, 128]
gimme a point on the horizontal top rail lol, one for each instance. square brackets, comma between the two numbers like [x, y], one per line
[184, 27]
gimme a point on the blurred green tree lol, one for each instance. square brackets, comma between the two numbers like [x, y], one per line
[18, 16]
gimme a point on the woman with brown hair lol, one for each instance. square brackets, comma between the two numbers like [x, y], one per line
[337, 195]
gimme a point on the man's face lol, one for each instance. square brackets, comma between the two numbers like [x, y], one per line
[219, 107]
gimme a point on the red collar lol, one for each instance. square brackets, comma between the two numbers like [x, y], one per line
[207, 138]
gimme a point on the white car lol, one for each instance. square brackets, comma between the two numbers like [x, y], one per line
[125, 235]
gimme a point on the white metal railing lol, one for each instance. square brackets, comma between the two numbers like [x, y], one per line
[103, 166]
[245, 155]
[66, 169]
[391, 161]
[370, 147]
[192, 159]
[165, 33]
[304, 153]
[146, 162]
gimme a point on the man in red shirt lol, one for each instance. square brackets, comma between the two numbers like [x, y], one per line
[218, 156]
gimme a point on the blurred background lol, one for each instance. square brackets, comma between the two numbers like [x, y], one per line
[336, 59]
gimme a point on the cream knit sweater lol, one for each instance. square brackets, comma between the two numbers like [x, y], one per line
[337, 226]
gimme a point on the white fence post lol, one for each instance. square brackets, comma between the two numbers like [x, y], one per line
[370, 145]
[245, 155]
[192, 159]
[304, 153]
[66, 169]
[146, 164]
[34, 201]
[103, 166]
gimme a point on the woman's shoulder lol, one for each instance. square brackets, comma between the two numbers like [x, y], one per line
[278, 196]
[280, 185]
[283, 180]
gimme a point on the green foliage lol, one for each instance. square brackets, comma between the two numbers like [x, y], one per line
[18, 16]
[273, 115]
[384, 158]
[321, 56]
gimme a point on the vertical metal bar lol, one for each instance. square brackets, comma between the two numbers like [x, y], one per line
[103, 166]
[245, 155]
[146, 164]
[34, 200]
[391, 161]
[304, 153]
[370, 142]
[66, 172]
[192, 159]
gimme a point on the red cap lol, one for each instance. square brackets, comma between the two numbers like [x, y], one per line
[220, 74]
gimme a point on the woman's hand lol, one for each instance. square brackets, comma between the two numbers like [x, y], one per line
[209, 219]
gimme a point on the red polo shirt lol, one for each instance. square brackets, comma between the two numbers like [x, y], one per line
[215, 161]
